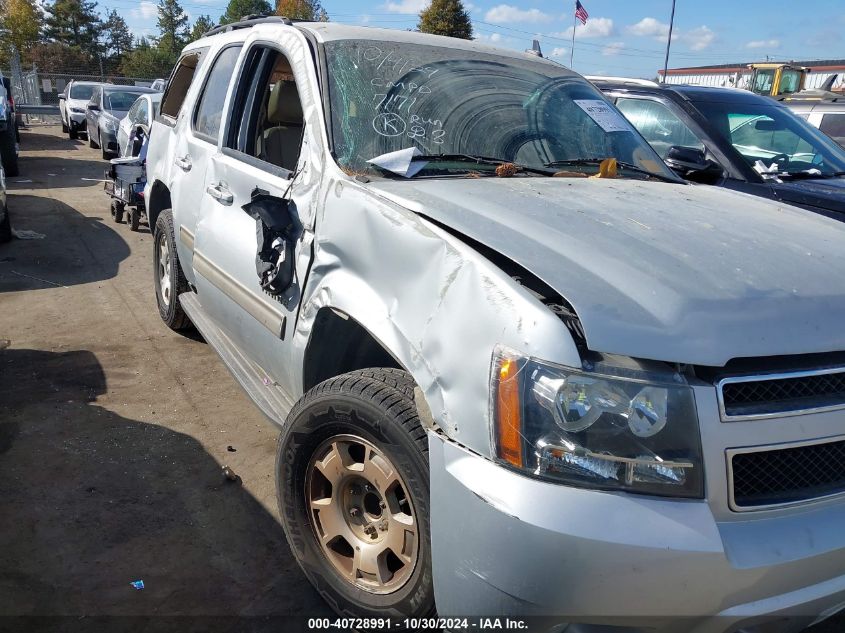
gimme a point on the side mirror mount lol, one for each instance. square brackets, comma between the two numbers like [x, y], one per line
[62, 96]
[692, 164]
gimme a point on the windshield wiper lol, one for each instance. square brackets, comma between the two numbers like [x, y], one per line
[598, 161]
[478, 160]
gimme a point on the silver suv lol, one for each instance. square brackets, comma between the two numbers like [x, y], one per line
[519, 368]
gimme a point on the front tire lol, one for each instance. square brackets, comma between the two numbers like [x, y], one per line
[117, 210]
[353, 491]
[169, 279]
[73, 133]
[6, 228]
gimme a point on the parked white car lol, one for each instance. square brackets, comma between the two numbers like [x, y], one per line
[138, 120]
[505, 386]
[5, 222]
[72, 106]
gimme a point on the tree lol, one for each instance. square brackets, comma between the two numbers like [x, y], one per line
[21, 21]
[56, 57]
[116, 36]
[310, 10]
[73, 22]
[236, 9]
[201, 26]
[446, 17]
[148, 61]
[173, 25]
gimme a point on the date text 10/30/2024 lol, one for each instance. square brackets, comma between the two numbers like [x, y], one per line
[417, 624]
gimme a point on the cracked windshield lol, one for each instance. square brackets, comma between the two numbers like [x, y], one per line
[457, 112]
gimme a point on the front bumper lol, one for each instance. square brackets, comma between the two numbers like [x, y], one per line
[76, 120]
[505, 544]
[108, 141]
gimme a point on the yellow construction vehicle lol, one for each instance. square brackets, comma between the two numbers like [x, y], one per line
[776, 79]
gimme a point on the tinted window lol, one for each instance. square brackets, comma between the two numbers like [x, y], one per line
[773, 135]
[210, 108]
[658, 125]
[180, 82]
[834, 126]
[121, 100]
[141, 116]
[81, 92]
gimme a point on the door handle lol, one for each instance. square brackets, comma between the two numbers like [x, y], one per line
[220, 193]
[184, 164]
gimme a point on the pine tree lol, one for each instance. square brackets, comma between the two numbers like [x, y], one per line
[310, 10]
[236, 9]
[173, 26]
[446, 17]
[21, 22]
[74, 23]
[201, 26]
[116, 36]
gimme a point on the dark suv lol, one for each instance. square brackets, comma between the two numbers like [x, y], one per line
[736, 139]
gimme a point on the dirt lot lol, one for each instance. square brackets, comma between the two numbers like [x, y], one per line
[114, 430]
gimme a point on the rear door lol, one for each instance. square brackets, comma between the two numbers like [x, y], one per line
[184, 156]
[259, 165]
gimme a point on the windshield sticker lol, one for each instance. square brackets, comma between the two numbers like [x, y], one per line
[401, 162]
[608, 119]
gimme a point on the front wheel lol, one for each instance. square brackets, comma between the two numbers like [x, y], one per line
[353, 491]
[9, 152]
[169, 279]
[117, 210]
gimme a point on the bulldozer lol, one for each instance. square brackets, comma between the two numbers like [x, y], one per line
[775, 80]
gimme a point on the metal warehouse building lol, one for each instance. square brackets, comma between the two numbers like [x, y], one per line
[738, 75]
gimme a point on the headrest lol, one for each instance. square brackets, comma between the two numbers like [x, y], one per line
[284, 107]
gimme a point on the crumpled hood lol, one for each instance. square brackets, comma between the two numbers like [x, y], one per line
[825, 193]
[680, 273]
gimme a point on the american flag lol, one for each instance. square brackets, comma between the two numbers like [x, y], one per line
[581, 12]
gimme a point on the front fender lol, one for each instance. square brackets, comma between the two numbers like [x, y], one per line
[435, 304]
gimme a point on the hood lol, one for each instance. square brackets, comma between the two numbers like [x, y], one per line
[822, 193]
[679, 273]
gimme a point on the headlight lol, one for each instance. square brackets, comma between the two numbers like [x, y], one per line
[77, 110]
[617, 424]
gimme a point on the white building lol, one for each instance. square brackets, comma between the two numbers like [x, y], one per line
[738, 75]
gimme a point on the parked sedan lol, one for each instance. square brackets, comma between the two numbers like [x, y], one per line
[72, 103]
[138, 120]
[736, 139]
[825, 113]
[108, 105]
[5, 223]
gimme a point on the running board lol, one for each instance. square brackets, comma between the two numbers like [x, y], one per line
[268, 397]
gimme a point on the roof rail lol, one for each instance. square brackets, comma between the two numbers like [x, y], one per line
[248, 21]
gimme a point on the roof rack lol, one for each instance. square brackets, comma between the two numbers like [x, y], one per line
[250, 20]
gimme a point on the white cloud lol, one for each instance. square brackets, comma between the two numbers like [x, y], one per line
[763, 44]
[612, 49]
[560, 52]
[650, 27]
[493, 38]
[406, 6]
[595, 27]
[699, 38]
[508, 13]
[146, 10]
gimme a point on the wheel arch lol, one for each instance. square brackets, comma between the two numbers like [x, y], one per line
[159, 200]
[339, 344]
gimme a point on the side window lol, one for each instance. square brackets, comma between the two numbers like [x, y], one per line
[268, 122]
[658, 125]
[142, 114]
[834, 126]
[180, 82]
[209, 110]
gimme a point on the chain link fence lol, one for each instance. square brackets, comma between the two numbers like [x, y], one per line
[36, 92]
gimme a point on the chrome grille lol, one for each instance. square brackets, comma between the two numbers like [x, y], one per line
[745, 397]
[787, 475]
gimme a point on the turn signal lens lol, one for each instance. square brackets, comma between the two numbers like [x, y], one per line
[508, 417]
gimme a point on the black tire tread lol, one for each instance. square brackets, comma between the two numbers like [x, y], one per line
[8, 153]
[180, 320]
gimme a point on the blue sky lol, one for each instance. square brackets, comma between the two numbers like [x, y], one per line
[622, 37]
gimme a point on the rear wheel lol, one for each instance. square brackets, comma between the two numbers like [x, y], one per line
[353, 490]
[117, 209]
[9, 151]
[6, 227]
[135, 219]
[169, 279]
